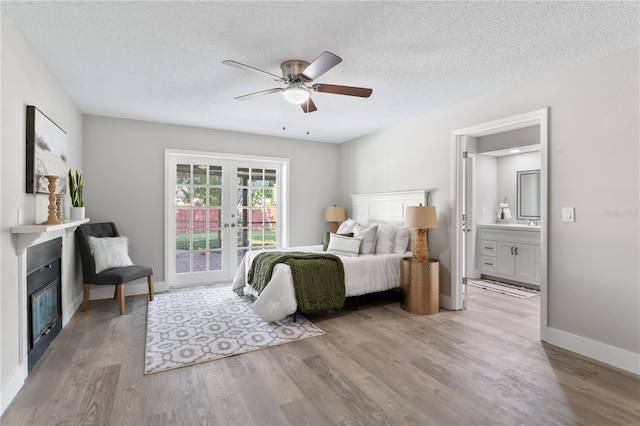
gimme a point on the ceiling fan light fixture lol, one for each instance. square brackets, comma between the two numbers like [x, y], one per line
[296, 94]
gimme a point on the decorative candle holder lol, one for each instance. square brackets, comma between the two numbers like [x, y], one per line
[52, 219]
[59, 213]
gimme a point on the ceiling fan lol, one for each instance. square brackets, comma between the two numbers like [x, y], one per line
[296, 74]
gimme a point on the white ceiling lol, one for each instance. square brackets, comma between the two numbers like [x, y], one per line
[162, 61]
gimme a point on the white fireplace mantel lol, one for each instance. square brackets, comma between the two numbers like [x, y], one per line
[28, 234]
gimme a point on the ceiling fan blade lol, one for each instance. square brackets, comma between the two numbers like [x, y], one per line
[238, 65]
[260, 93]
[362, 92]
[308, 106]
[322, 64]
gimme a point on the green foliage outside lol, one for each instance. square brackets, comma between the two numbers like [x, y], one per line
[200, 240]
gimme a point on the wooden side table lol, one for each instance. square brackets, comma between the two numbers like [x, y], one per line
[420, 286]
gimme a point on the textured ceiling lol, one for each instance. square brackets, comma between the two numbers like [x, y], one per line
[162, 61]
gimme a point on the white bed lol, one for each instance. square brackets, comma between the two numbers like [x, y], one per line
[367, 273]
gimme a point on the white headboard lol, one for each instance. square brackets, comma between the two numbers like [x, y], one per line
[387, 207]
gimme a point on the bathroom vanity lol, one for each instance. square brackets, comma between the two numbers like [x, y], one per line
[510, 252]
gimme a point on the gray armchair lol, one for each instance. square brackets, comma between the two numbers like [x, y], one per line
[115, 276]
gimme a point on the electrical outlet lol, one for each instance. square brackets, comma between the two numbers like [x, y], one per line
[568, 214]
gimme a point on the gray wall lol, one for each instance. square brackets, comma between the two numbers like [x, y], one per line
[27, 81]
[513, 138]
[124, 178]
[593, 280]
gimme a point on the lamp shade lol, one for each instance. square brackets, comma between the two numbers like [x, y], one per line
[420, 217]
[335, 214]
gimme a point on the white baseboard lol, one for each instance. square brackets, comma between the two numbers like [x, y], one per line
[131, 289]
[11, 387]
[445, 301]
[620, 358]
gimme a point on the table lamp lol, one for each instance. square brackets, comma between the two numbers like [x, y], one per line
[422, 218]
[334, 215]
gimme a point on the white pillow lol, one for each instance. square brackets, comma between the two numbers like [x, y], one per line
[368, 236]
[386, 238]
[347, 226]
[109, 252]
[401, 241]
[344, 246]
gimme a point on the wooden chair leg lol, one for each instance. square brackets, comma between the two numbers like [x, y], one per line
[150, 282]
[120, 291]
[85, 298]
[115, 293]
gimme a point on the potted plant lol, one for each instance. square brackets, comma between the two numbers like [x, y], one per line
[75, 192]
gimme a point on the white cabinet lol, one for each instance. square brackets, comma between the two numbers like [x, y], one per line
[510, 252]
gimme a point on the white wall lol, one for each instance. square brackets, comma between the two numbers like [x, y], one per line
[26, 81]
[124, 178]
[507, 185]
[593, 274]
[485, 189]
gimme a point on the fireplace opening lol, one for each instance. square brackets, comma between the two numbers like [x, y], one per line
[44, 298]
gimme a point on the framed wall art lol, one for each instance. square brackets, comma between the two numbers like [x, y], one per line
[46, 152]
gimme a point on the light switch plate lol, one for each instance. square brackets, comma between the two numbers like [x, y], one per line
[568, 214]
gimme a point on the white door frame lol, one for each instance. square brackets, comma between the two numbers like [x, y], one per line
[538, 117]
[169, 198]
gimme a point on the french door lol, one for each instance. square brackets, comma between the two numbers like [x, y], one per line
[217, 209]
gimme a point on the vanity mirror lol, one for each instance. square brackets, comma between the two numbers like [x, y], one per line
[528, 194]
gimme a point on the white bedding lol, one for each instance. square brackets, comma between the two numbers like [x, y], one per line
[364, 274]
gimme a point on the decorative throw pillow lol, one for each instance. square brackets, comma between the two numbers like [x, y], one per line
[325, 244]
[401, 241]
[368, 236]
[109, 252]
[386, 238]
[346, 226]
[344, 246]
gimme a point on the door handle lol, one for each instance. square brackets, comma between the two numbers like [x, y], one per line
[516, 251]
[233, 225]
[226, 225]
[511, 249]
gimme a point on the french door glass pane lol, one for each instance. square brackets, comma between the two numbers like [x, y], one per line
[183, 196]
[182, 218]
[183, 240]
[257, 177]
[199, 175]
[199, 195]
[215, 175]
[215, 260]
[270, 178]
[215, 197]
[183, 174]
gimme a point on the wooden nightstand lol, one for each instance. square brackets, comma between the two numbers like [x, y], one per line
[420, 286]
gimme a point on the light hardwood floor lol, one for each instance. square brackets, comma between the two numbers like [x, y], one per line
[377, 365]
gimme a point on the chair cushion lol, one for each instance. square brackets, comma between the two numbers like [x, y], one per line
[123, 275]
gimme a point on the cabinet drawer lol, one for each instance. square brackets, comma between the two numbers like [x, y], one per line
[488, 247]
[488, 264]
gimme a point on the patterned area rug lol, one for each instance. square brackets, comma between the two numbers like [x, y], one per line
[204, 325]
[504, 288]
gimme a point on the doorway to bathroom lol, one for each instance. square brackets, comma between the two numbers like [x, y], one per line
[500, 215]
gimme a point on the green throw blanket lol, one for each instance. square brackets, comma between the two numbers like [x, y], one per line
[318, 278]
